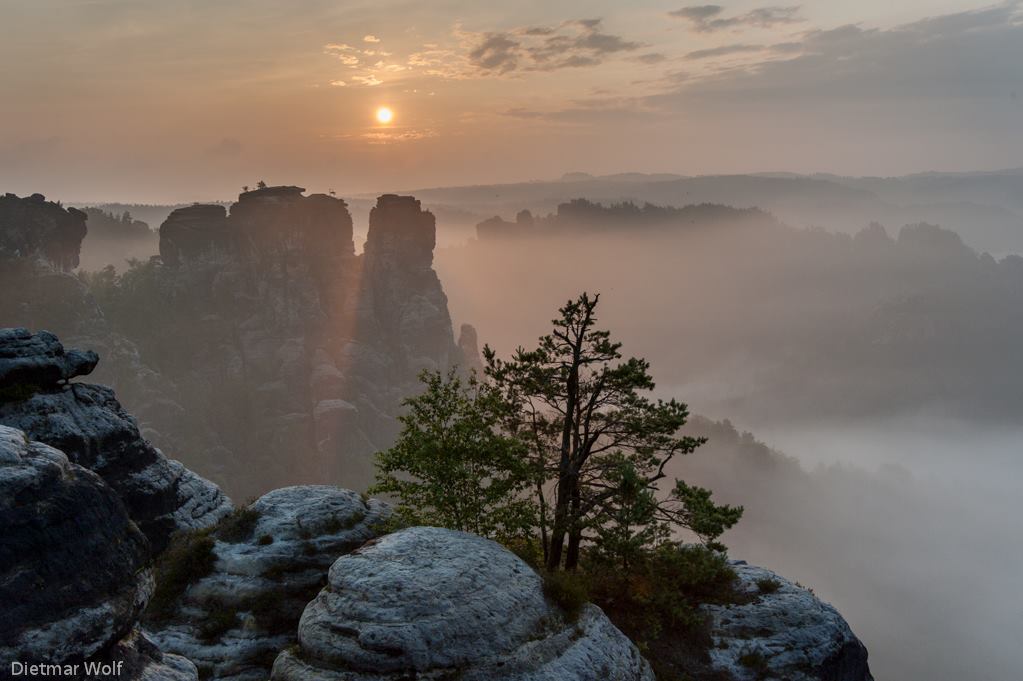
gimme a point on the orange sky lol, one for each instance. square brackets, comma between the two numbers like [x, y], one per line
[139, 100]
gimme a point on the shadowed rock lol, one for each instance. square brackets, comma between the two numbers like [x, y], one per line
[88, 424]
[34, 228]
[39, 359]
[74, 573]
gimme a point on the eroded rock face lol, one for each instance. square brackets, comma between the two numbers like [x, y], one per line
[785, 632]
[90, 426]
[258, 330]
[74, 569]
[34, 228]
[40, 359]
[425, 602]
[264, 578]
[57, 606]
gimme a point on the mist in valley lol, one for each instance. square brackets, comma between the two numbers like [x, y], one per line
[859, 388]
[874, 372]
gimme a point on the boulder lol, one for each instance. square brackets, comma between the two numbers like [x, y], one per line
[783, 632]
[269, 562]
[433, 603]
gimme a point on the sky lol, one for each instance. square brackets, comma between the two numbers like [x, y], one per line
[156, 101]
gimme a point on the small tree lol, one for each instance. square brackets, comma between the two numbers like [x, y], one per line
[261, 185]
[595, 439]
[451, 466]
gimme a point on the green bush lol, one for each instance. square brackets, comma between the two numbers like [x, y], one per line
[238, 525]
[187, 559]
[755, 661]
[568, 590]
[659, 595]
[217, 623]
[18, 392]
[767, 585]
[265, 540]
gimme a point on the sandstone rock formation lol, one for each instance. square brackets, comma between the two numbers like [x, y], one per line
[433, 603]
[264, 575]
[258, 330]
[74, 574]
[34, 228]
[88, 424]
[785, 632]
[468, 343]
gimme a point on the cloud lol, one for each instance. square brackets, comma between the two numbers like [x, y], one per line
[953, 58]
[651, 58]
[723, 51]
[227, 147]
[338, 83]
[571, 44]
[709, 18]
[369, 80]
[370, 38]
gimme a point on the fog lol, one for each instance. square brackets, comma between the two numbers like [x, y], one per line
[877, 369]
[880, 372]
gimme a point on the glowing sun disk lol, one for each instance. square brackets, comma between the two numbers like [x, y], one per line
[384, 115]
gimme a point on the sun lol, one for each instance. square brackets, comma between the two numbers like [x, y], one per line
[384, 115]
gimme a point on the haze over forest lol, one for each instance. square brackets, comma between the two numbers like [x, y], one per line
[809, 219]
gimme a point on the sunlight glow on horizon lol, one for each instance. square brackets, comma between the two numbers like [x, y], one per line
[384, 115]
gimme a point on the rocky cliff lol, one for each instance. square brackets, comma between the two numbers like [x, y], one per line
[299, 584]
[74, 571]
[257, 331]
[88, 424]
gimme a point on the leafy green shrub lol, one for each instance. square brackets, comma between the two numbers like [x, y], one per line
[238, 525]
[661, 592]
[529, 550]
[187, 559]
[18, 392]
[335, 524]
[271, 612]
[767, 585]
[755, 661]
[217, 622]
[568, 590]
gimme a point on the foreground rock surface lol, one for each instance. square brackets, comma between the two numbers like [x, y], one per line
[265, 573]
[785, 632]
[74, 569]
[88, 424]
[433, 603]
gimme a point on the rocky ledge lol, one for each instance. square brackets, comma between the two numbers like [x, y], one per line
[88, 424]
[74, 570]
[432, 603]
[783, 632]
[269, 560]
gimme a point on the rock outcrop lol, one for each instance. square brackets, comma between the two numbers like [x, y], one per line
[784, 632]
[265, 572]
[258, 329]
[433, 603]
[33, 228]
[74, 569]
[88, 424]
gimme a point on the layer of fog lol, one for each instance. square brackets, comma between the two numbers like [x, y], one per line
[873, 365]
